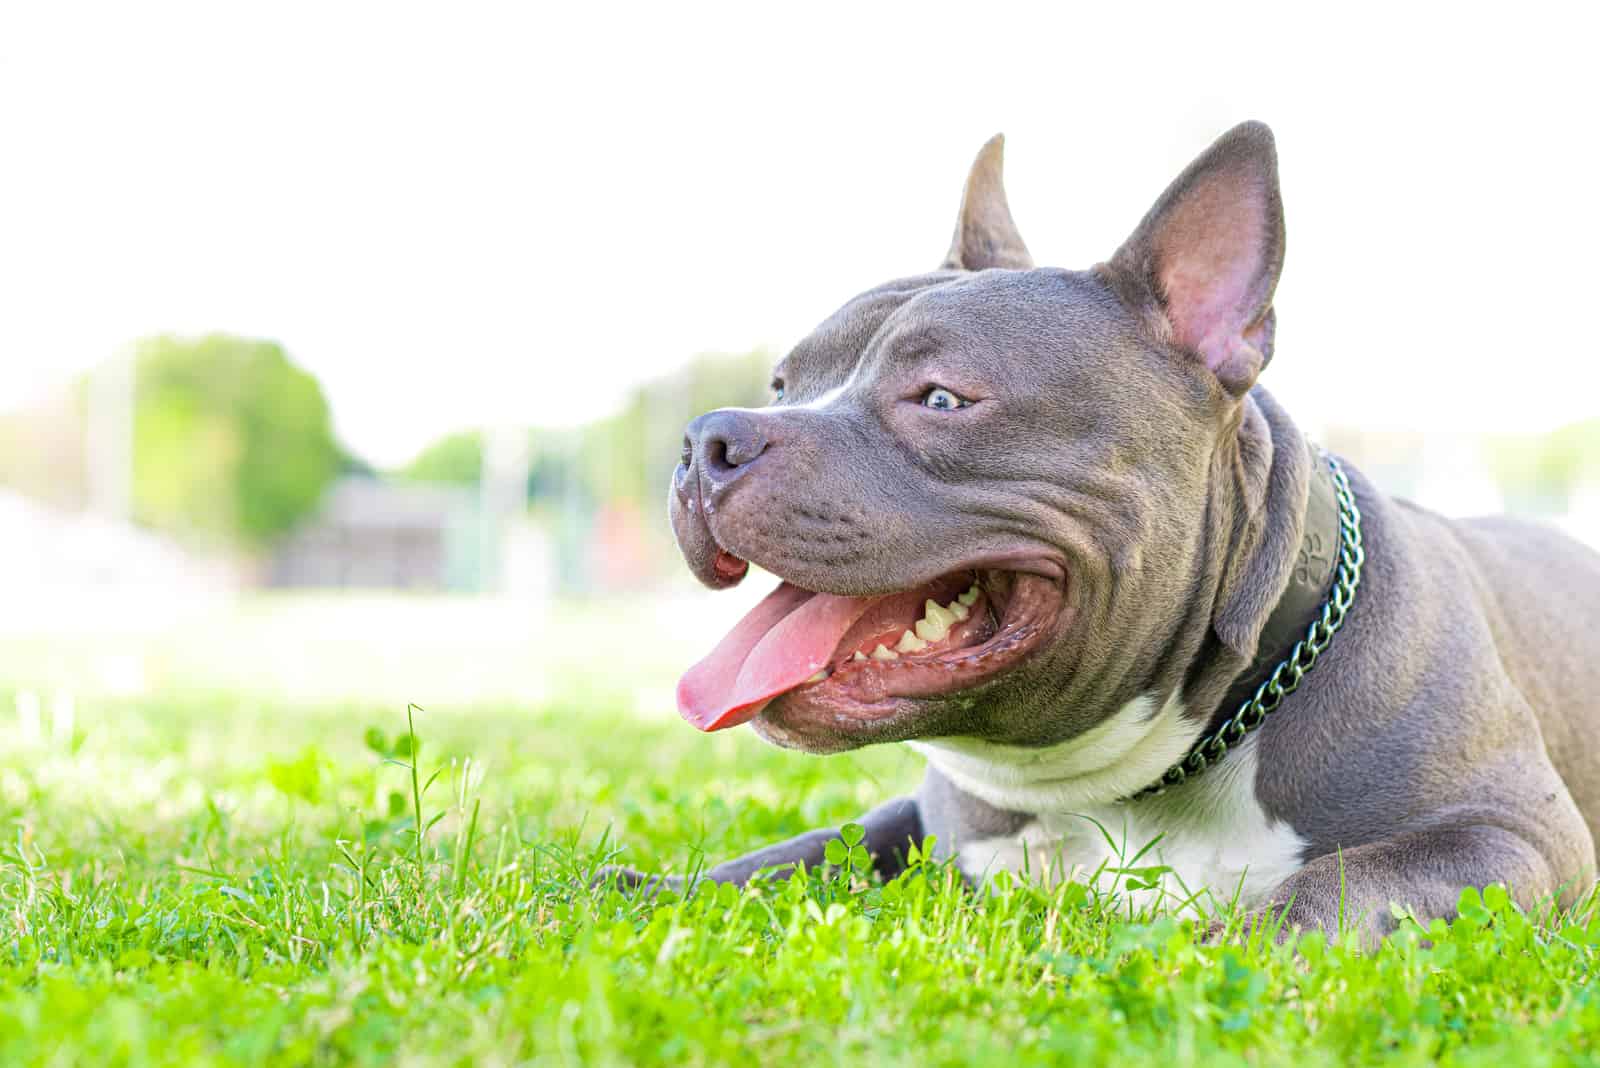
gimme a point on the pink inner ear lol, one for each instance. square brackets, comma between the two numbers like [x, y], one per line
[1211, 263]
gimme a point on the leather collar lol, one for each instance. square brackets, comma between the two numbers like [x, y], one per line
[1301, 601]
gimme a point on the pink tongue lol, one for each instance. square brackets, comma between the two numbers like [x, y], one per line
[781, 643]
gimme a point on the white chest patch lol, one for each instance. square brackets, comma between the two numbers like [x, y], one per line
[1212, 834]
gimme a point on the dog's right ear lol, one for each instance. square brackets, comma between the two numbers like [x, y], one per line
[985, 234]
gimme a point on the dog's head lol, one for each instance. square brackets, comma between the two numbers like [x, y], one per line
[985, 488]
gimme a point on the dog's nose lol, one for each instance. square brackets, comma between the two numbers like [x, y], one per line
[723, 444]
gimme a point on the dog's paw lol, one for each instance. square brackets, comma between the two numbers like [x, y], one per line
[634, 882]
[1266, 922]
[1216, 933]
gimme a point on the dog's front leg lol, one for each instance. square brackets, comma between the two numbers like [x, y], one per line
[1424, 872]
[891, 829]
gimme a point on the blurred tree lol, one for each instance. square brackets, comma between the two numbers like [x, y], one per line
[1572, 456]
[354, 465]
[630, 455]
[609, 477]
[232, 442]
[1540, 473]
[625, 456]
[455, 458]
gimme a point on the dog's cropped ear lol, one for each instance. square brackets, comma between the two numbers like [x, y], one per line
[1205, 260]
[985, 235]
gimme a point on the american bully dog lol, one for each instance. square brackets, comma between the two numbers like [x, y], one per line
[1043, 526]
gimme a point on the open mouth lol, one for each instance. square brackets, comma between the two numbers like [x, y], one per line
[858, 652]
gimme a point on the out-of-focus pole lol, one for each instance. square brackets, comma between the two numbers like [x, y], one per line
[108, 437]
[502, 495]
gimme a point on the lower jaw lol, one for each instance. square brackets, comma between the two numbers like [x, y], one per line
[815, 726]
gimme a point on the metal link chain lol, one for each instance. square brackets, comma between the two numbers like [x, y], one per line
[1285, 678]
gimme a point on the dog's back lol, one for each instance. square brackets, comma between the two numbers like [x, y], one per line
[1541, 591]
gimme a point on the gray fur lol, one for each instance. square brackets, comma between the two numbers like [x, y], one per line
[959, 817]
[1449, 735]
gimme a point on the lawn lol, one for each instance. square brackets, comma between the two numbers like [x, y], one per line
[192, 880]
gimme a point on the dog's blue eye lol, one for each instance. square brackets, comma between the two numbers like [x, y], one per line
[943, 400]
[777, 392]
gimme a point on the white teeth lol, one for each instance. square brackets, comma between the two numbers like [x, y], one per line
[819, 676]
[910, 643]
[934, 626]
[937, 613]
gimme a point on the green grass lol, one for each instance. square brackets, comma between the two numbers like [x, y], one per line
[221, 881]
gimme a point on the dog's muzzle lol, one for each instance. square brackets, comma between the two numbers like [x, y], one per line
[719, 448]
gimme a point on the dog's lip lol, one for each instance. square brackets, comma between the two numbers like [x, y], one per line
[729, 565]
[1020, 561]
[728, 568]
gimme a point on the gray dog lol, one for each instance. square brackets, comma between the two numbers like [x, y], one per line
[1044, 526]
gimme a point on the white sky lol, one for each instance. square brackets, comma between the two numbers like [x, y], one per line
[465, 213]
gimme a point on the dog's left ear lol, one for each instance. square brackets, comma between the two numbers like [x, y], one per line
[1205, 260]
[985, 234]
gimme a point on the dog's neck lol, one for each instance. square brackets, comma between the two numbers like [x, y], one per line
[1277, 528]
[1305, 593]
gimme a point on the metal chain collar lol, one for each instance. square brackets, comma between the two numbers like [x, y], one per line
[1285, 678]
